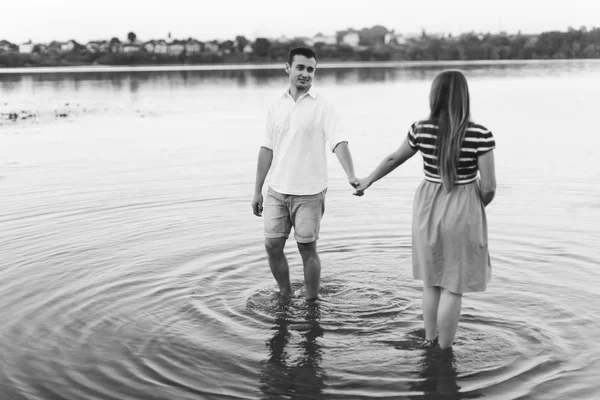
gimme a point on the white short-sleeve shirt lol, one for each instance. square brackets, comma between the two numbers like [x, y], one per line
[299, 132]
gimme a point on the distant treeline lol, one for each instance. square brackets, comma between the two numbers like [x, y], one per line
[574, 43]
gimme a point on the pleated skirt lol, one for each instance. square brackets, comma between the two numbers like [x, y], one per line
[449, 238]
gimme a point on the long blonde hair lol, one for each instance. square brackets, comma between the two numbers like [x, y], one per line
[449, 105]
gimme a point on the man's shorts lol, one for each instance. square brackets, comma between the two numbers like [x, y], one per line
[304, 213]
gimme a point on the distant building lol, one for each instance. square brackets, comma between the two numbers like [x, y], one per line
[351, 38]
[40, 48]
[326, 39]
[211, 47]
[192, 46]
[157, 47]
[97, 46]
[393, 38]
[55, 47]
[26, 48]
[4, 46]
[248, 49]
[132, 47]
[176, 47]
[69, 46]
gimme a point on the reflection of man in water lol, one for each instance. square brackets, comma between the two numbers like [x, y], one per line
[301, 124]
[302, 378]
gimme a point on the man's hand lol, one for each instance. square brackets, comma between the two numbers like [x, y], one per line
[354, 181]
[257, 204]
[362, 185]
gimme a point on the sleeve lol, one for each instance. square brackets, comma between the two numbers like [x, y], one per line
[332, 127]
[485, 141]
[268, 135]
[412, 137]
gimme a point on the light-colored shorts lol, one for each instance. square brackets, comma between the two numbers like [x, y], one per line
[304, 213]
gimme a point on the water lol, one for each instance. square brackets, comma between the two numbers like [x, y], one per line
[132, 267]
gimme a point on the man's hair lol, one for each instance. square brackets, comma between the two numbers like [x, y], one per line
[301, 51]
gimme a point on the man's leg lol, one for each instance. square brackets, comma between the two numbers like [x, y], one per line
[278, 225]
[312, 268]
[306, 214]
[279, 264]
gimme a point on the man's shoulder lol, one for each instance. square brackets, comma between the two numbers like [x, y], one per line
[323, 100]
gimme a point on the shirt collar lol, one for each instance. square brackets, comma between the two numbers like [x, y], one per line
[311, 92]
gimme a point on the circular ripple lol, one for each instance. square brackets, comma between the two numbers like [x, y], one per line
[374, 337]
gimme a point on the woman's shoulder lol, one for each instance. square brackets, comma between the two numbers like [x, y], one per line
[424, 125]
[477, 128]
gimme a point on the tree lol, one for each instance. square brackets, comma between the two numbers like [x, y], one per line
[261, 47]
[131, 37]
[226, 46]
[241, 42]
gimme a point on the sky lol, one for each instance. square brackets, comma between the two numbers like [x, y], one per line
[84, 20]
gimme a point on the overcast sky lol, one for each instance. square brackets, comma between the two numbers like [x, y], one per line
[83, 20]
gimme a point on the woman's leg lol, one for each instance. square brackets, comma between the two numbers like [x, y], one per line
[431, 300]
[448, 316]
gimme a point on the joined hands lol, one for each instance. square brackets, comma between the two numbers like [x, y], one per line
[360, 185]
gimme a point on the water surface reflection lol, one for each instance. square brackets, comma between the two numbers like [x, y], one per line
[300, 376]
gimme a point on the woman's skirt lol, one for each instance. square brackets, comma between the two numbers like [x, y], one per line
[449, 238]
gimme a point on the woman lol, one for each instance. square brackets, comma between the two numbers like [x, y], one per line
[449, 231]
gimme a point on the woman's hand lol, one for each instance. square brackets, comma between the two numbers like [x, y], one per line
[363, 184]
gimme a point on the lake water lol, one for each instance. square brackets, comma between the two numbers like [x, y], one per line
[131, 266]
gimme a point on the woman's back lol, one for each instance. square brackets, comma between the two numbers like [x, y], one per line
[478, 140]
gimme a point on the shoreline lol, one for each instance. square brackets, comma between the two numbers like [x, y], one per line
[274, 66]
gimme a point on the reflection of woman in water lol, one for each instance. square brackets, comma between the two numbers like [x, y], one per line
[437, 377]
[449, 230]
[302, 378]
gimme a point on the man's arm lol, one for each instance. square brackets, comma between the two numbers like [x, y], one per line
[265, 157]
[342, 151]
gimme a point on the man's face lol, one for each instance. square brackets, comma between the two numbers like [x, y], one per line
[301, 72]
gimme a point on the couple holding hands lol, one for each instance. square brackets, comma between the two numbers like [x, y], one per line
[449, 226]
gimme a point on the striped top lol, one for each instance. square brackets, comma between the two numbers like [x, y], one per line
[478, 140]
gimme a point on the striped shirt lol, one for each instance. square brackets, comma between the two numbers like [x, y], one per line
[478, 140]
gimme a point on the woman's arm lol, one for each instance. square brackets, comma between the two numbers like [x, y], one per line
[487, 172]
[386, 166]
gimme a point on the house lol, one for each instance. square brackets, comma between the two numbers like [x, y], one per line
[227, 47]
[150, 45]
[248, 49]
[393, 38]
[55, 47]
[6, 46]
[192, 46]
[69, 46]
[161, 47]
[327, 39]
[132, 47]
[156, 46]
[97, 46]
[211, 47]
[351, 38]
[176, 47]
[26, 48]
[40, 48]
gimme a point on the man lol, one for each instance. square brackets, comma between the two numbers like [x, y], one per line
[301, 124]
